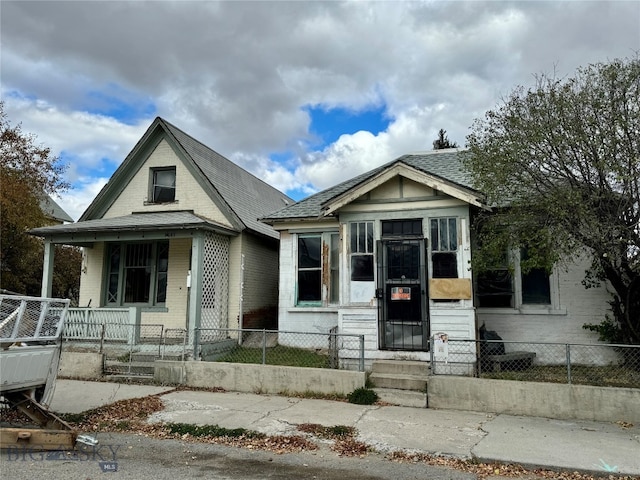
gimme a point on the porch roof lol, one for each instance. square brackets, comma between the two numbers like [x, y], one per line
[445, 165]
[136, 222]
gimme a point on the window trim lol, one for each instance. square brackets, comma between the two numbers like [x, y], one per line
[518, 307]
[152, 184]
[435, 246]
[326, 268]
[364, 247]
[120, 289]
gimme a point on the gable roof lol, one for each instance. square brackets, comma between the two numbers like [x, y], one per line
[241, 196]
[443, 166]
[52, 210]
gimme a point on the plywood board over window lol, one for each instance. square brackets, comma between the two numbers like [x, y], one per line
[450, 289]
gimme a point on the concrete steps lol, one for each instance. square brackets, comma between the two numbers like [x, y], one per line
[400, 375]
[400, 382]
[403, 398]
[140, 364]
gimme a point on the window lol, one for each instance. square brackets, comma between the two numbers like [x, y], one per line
[309, 268]
[361, 235]
[163, 185]
[535, 285]
[318, 264]
[444, 247]
[402, 228]
[503, 287]
[137, 273]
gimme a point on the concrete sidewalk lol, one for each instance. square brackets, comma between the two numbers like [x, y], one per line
[531, 442]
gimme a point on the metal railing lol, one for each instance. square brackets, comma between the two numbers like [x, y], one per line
[278, 347]
[585, 364]
[27, 319]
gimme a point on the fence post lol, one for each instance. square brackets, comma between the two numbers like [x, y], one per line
[569, 364]
[196, 343]
[102, 332]
[431, 356]
[264, 346]
[134, 325]
[362, 353]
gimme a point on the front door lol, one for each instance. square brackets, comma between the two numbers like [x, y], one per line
[402, 295]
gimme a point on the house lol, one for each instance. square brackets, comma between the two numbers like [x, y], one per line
[175, 234]
[54, 212]
[387, 255]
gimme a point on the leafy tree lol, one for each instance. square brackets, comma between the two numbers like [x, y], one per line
[27, 172]
[443, 141]
[563, 158]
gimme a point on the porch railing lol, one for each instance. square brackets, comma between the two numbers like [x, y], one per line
[94, 324]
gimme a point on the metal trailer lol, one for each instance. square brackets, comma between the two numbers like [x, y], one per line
[30, 349]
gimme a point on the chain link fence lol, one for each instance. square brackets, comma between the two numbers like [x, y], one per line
[585, 364]
[277, 347]
[127, 349]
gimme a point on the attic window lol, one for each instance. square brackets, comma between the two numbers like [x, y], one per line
[163, 185]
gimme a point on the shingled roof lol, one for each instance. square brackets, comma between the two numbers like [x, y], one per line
[446, 165]
[243, 197]
[247, 196]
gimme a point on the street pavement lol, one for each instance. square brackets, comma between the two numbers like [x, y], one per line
[585, 446]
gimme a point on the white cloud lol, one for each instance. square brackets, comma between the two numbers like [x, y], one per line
[236, 75]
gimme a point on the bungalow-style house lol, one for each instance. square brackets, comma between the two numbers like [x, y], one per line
[175, 233]
[387, 254]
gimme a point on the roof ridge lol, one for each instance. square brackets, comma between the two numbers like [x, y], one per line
[231, 162]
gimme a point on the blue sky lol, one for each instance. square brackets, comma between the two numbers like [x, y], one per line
[302, 94]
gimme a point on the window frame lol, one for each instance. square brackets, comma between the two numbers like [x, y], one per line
[517, 303]
[158, 274]
[328, 269]
[444, 250]
[153, 172]
[361, 246]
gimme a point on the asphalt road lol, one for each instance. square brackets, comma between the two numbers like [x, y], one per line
[121, 456]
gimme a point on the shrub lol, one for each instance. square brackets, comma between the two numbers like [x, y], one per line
[363, 396]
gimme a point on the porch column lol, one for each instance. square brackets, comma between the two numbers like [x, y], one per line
[195, 289]
[47, 269]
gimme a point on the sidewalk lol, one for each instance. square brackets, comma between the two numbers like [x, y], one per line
[531, 442]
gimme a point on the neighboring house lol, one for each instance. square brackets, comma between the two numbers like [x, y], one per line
[53, 211]
[388, 254]
[175, 232]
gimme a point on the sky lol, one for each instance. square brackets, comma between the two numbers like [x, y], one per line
[303, 94]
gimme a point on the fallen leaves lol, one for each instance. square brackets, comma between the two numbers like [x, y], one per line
[130, 416]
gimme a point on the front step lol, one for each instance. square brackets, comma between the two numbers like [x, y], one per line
[400, 374]
[402, 398]
[126, 368]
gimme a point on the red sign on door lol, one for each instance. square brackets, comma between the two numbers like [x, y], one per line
[400, 293]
